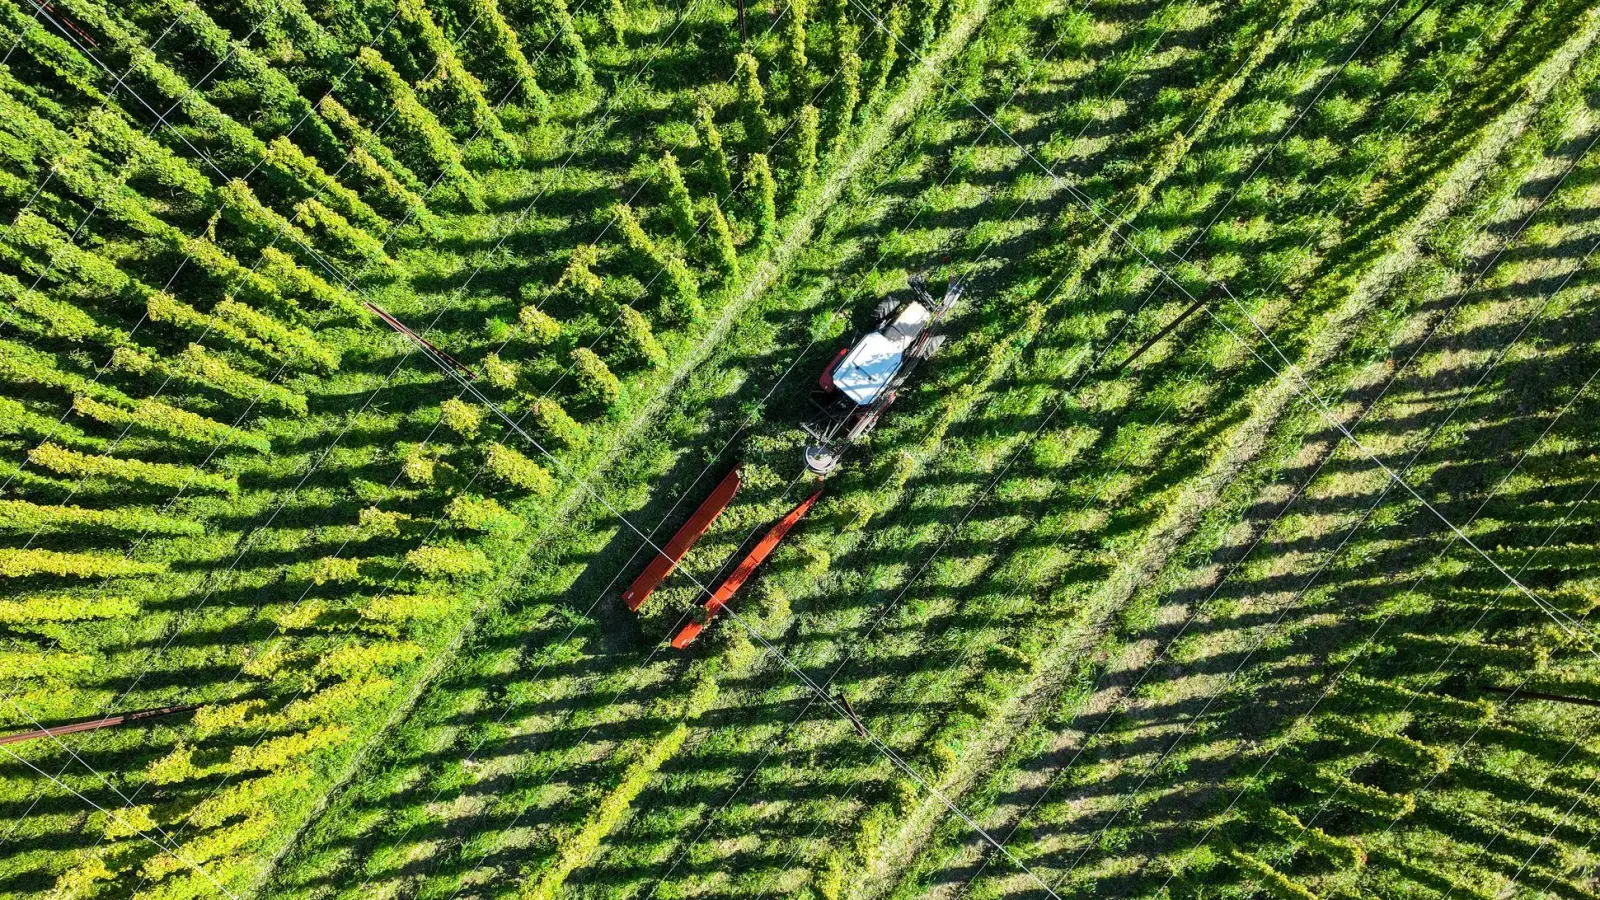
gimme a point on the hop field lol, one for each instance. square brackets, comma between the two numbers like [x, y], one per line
[1237, 542]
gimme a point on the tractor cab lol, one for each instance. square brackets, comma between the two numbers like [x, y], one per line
[867, 368]
[862, 379]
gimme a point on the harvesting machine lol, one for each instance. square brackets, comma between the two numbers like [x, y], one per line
[858, 384]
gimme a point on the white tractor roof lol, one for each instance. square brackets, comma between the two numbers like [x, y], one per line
[870, 365]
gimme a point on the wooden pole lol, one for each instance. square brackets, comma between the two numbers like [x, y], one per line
[851, 712]
[92, 724]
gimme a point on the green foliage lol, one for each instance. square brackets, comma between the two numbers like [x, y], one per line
[379, 523]
[752, 101]
[537, 328]
[679, 207]
[1353, 794]
[21, 515]
[803, 162]
[578, 847]
[400, 201]
[417, 466]
[294, 345]
[517, 470]
[552, 424]
[680, 292]
[424, 139]
[199, 366]
[597, 386]
[1052, 547]
[156, 417]
[633, 237]
[16, 563]
[163, 307]
[883, 48]
[450, 75]
[242, 799]
[578, 278]
[461, 417]
[636, 340]
[794, 46]
[503, 37]
[369, 144]
[331, 570]
[65, 609]
[499, 373]
[765, 201]
[482, 514]
[348, 240]
[1367, 690]
[402, 608]
[447, 562]
[846, 99]
[33, 311]
[615, 17]
[1426, 757]
[284, 153]
[1274, 882]
[723, 253]
[1338, 850]
[296, 279]
[62, 461]
[716, 157]
[296, 751]
[567, 39]
[19, 665]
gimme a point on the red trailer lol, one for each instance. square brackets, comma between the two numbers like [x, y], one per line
[669, 556]
[747, 566]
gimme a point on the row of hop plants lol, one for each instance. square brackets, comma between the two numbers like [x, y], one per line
[600, 385]
[634, 330]
[993, 673]
[597, 385]
[936, 743]
[506, 465]
[1423, 756]
[228, 319]
[701, 235]
[719, 167]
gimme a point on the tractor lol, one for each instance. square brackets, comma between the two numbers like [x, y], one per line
[858, 384]
[864, 377]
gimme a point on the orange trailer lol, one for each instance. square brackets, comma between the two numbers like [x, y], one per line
[667, 558]
[747, 566]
